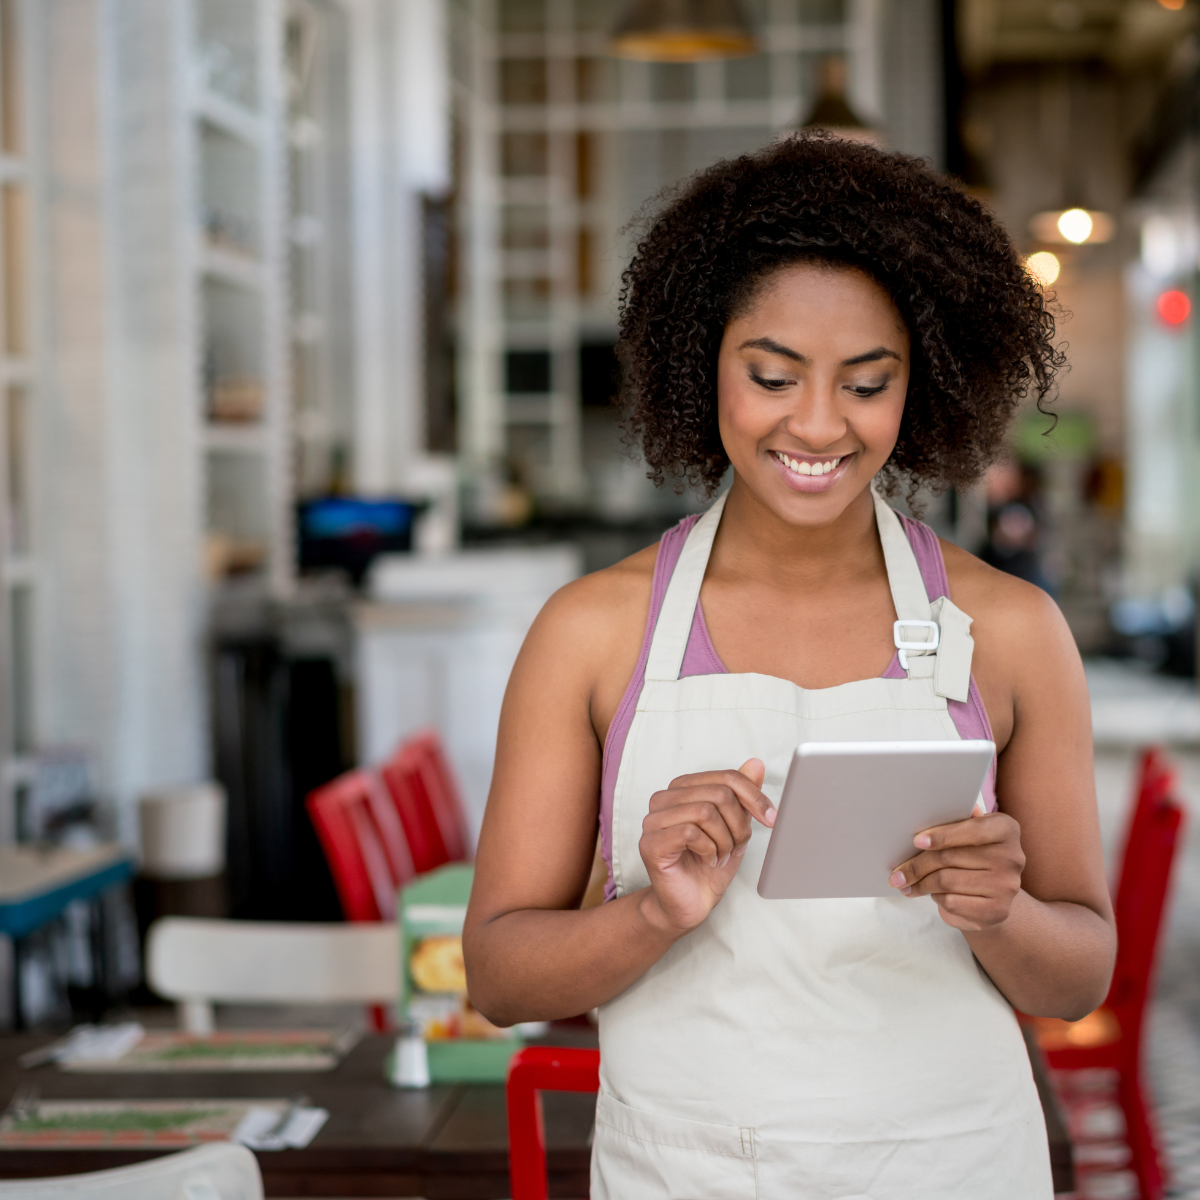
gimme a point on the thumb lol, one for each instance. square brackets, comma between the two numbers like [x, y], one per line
[754, 770]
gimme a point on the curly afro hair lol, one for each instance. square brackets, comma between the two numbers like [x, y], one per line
[981, 332]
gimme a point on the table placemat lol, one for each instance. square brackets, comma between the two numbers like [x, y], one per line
[97, 1124]
[229, 1050]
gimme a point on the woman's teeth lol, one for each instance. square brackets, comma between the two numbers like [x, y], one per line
[807, 468]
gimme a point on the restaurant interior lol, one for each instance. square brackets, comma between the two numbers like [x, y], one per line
[309, 403]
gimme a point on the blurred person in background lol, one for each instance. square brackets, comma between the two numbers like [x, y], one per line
[836, 323]
[1013, 531]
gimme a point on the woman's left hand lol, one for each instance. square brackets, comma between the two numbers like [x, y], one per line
[971, 868]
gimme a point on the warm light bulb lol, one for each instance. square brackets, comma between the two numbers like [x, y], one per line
[1075, 225]
[1173, 5]
[1044, 267]
[1174, 307]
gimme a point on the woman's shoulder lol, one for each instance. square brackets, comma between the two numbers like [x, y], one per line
[1008, 605]
[604, 597]
[1023, 646]
[598, 619]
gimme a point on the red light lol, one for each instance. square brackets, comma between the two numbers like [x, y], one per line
[1173, 307]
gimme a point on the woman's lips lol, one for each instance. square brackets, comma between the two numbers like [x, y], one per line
[824, 472]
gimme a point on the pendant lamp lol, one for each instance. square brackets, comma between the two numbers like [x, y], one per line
[683, 31]
[1075, 223]
[832, 111]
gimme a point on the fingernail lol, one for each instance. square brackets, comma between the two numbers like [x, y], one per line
[907, 891]
[896, 879]
[715, 861]
[923, 841]
[725, 859]
[739, 852]
[770, 817]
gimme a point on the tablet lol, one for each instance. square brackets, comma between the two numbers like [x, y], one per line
[850, 810]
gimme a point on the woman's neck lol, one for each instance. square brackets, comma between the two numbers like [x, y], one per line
[754, 541]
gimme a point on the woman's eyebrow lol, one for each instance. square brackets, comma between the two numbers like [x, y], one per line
[871, 356]
[766, 343]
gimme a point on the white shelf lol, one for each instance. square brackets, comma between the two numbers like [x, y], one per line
[19, 570]
[229, 116]
[526, 264]
[216, 262]
[15, 370]
[231, 437]
[12, 170]
[529, 408]
[528, 189]
[20, 768]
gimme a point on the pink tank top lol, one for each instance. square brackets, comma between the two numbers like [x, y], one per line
[700, 658]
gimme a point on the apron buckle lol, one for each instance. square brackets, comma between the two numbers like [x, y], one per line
[903, 645]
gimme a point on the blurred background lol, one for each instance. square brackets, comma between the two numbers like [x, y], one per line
[307, 312]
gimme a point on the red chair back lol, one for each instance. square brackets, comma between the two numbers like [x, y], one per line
[1155, 782]
[425, 796]
[364, 843]
[443, 795]
[1140, 904]
[533, 1070]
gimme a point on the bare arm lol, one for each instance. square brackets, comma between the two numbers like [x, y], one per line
[531, 954]
[1026, 885]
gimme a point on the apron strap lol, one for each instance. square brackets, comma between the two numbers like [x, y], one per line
[915, 633]
[924, 631]
[674, 624]
[904, 575]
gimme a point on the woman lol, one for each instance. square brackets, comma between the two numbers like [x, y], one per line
[826, 319]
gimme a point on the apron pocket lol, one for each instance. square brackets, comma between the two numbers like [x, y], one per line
[650, 1156]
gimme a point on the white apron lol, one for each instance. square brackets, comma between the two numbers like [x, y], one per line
[821, 1049]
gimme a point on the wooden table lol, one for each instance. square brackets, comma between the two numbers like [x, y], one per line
[443, 1143]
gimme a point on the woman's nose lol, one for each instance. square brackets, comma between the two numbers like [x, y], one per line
[816, 420]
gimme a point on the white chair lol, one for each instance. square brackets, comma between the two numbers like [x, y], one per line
[221, 1171]
[197, 962]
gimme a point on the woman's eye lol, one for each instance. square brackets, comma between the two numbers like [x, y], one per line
[863, 391]
[772, 384]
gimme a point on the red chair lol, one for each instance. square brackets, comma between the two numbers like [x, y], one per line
[364, 843]
[532, 1070]
[1111, 1037]
[426, 797]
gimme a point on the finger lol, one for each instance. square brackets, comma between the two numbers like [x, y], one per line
[953, 882]
[979, 829]
[743, 786]
[681, 802]
[969, 858]
[733, 786]
[704, 815]
[754, 770]
[742, 783]
[666, 845]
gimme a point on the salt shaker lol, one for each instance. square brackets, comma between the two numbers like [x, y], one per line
[410, 1059]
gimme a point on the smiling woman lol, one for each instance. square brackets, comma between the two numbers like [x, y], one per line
[831, 321]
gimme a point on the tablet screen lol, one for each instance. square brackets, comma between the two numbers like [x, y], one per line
[850, 810]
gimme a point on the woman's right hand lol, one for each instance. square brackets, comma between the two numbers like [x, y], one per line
[693, 840]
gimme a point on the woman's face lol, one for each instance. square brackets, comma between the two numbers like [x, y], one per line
[811, 381]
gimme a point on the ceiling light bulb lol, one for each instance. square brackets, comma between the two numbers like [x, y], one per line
[1173, 5]
[1075, 225]
[1044, 267]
